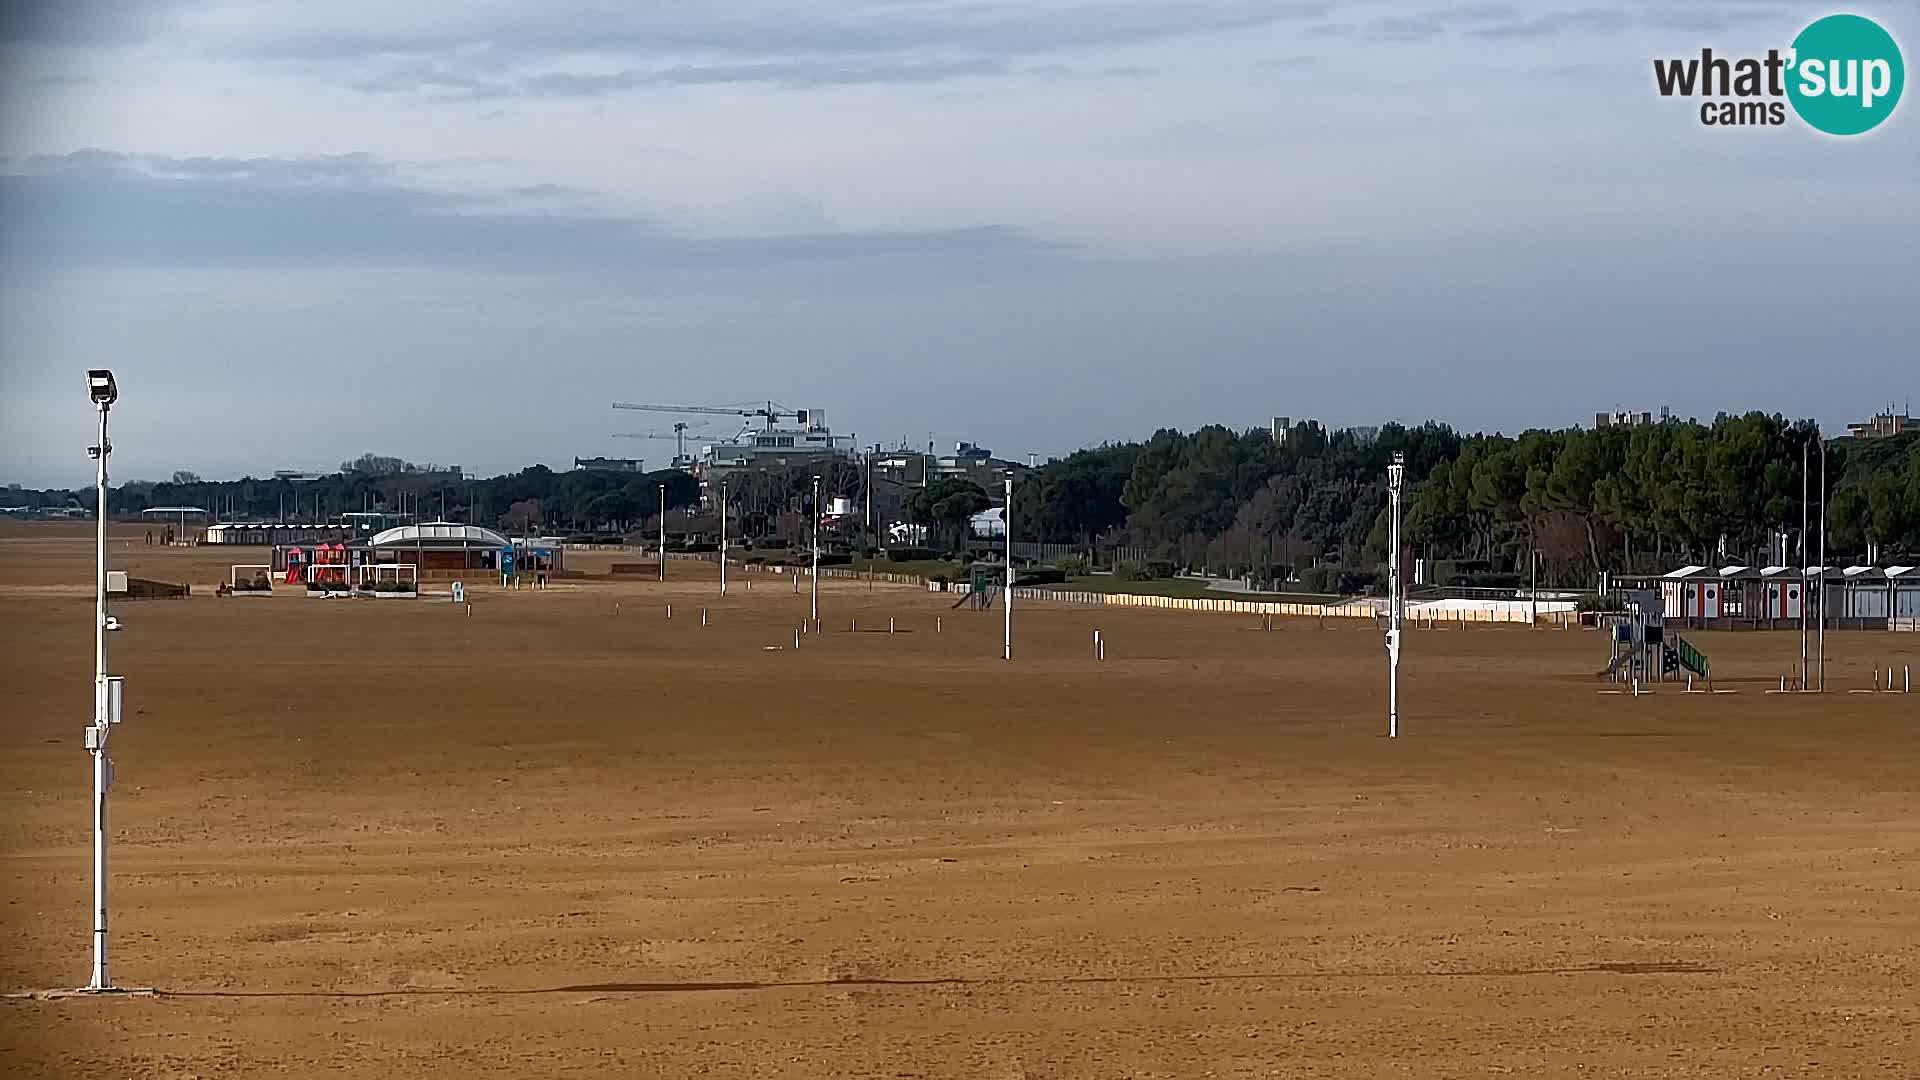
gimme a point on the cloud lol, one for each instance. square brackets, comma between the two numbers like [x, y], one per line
[1584, 20]
[444, 82]
[1404, 28]
[84, 22]
[99, 206]
[573, 48]
[763, 29]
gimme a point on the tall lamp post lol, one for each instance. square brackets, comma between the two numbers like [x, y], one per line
[1822, 645]
[816, 552]
[1395, 473]
[1006, 603]
[106, 688]
[723, 537]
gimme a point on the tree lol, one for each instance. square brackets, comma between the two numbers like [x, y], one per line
[523, 516]
[378, 465]
[182, 476]
[947, 505]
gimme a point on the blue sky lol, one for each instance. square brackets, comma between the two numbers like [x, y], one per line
[456, 231]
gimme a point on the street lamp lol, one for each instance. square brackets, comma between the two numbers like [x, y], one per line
[106, 688]
[1006, 602]
[816, 552]
[1396, 472]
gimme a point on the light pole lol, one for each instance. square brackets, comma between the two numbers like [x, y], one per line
[106, 689]
[1006, 604]
[816, 552]
[1806, 463]
[1822, 648]
[663, 532]
[1395, 472]
[723, 538]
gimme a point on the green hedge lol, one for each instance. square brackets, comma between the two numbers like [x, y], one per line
[911, 554]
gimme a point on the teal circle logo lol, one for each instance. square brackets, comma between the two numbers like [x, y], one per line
[1845, 75]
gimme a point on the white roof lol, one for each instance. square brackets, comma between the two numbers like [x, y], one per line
[1687, 571]
[440, 534]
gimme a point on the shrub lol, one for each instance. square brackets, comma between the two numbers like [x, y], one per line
[700, 546]
[1335, 578]
[1040, 575]
[910, 554]
[939, 579]
[835, 560]
[1130, 570]
[1074, 565]
[754, 560]
[869, 552]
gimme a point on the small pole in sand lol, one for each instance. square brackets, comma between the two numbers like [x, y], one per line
[669, 611]
[703, 616]
[469, 608]
[796, 639]
[889, 624]
[936, 624]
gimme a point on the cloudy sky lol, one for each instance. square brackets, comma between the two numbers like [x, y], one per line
[455, 231]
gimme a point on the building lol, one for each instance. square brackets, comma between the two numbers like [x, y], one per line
[808, 442]
[1775, 597]
[1282, 429]
[908, 469]
[437, 550]
[609, 464]
[1630, 419]
[1883, 426]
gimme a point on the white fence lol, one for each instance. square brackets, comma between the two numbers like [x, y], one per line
[1454, 614]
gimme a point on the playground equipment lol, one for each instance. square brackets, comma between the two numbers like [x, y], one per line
[398, 579]
[1641, 650]
[985, 579]
[245, 579]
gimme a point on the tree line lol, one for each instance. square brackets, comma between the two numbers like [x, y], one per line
[1480, 508]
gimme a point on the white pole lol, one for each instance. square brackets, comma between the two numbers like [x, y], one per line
[102, 764]
[723, 538]
[1395, 472]
[816, 550]
[1823, 565]
[663, 532]
[1006, 607]
[1533, 616]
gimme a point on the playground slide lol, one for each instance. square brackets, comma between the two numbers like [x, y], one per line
[1690, 658]
[1617, 664]
[981, 599]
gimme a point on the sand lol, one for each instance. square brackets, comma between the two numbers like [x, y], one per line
[385, 838]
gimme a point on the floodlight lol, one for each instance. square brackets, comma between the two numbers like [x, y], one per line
[101, 387]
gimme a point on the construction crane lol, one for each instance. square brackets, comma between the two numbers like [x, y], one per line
[772, 413]
[679, 437]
